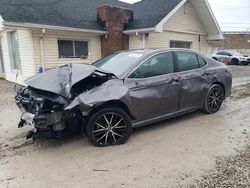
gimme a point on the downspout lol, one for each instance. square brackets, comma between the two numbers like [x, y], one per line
[143, 40]
[199, 42]
[1, 57]
[42, 68]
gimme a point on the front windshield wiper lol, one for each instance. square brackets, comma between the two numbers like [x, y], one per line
[105, 72]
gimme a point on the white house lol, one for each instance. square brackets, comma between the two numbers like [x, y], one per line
[39, 35]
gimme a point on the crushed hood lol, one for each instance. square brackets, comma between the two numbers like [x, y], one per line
[60, 80]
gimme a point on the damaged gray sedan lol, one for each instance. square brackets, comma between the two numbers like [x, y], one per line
[107, 99]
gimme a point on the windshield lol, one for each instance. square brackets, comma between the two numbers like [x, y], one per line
[119, 63]
[236, 53]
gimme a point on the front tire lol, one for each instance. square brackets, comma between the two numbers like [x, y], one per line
[214, 99]
[235, 61]
[108, 126]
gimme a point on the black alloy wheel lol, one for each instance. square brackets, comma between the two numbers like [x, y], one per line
[235, 61]
[109, 126]
[214, 99]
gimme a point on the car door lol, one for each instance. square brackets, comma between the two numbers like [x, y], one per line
[222, 56]
[194, 85]
[154, 87]
[228, 57]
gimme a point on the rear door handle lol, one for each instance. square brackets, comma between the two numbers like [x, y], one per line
[205, 74]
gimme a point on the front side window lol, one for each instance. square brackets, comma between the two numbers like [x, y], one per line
[73, 49]
[160, 64]
[180, 44]
[187, 61]
[229, 54]
[13, 50]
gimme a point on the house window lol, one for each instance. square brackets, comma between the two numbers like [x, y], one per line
[73, 49]
[180, 44]
[13, 50]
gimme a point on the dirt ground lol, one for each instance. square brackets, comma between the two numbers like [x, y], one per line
[194, 150]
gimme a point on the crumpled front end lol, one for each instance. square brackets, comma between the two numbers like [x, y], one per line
[44, 101]
[45, 112]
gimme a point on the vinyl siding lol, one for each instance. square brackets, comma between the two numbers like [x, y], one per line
[135, 42]
[51, 56]
[185, 20]
[184, 25]
[25, 45]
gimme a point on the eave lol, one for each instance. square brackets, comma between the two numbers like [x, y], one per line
[41, 26]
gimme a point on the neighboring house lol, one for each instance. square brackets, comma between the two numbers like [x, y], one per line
[234, 41]
[38, 35]
[1, 62]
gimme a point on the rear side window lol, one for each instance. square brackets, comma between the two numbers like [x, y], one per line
[160, 64]
[221, 53]
[202, 62]
[187, 61]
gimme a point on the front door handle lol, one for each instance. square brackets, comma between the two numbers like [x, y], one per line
[175, 80]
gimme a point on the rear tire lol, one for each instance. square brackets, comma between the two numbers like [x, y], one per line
[214, 99]
[109, 126]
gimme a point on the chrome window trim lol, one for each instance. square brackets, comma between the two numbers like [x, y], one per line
[176, 73]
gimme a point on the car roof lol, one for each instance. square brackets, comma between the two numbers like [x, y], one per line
[148, 51]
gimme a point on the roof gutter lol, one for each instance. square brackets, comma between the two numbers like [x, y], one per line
[41, 26]
[236, 32]
[143, 30]
[215, 37]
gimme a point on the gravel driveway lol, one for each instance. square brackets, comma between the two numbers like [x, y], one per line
[194, 150]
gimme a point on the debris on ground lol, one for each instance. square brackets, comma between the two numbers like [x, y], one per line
[233, 171]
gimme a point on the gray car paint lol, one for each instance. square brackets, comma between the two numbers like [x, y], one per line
[145, 99]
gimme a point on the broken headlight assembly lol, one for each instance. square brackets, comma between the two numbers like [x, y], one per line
[45, 115]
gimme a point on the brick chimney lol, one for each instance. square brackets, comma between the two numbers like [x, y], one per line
[114, 20]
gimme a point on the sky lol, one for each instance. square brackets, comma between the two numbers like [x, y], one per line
[232, 15]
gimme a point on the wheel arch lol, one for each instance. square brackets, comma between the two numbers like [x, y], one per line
[235, 58]
[222, 85]
[114, 103]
